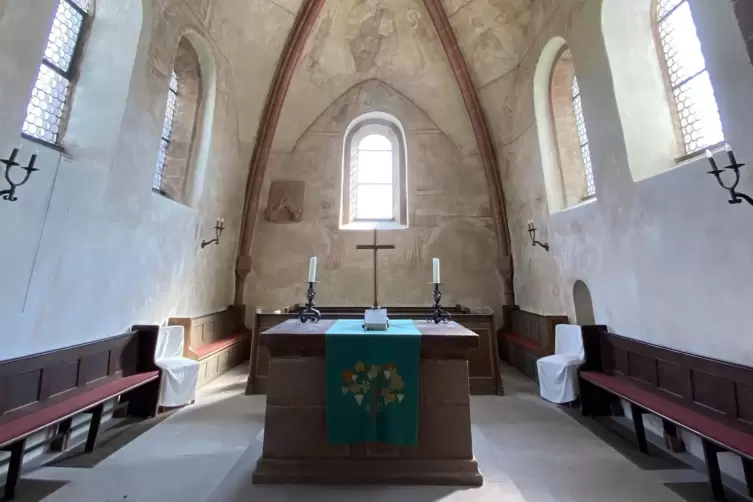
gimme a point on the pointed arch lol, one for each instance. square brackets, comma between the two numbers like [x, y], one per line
[299, 33]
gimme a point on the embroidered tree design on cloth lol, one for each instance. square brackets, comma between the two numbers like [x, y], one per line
[374, 387]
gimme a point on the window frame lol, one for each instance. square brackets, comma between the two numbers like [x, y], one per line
[682, 146]
[584, 142]
[389, 130]
[71, 75]
[160, 167]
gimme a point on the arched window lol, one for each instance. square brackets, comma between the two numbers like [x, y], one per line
[692, 97]
[374, 187]
[571, 137]
[48, 106]
[179, 131]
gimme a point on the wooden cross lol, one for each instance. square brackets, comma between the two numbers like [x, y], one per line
[375, 247]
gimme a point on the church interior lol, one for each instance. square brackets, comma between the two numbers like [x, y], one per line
[207, 205]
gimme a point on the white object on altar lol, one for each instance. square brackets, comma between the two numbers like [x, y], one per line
[376, 320]
[180, 375]
[558, 374]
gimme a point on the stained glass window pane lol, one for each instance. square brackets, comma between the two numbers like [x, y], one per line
[46, 108]
[580, 124]
[49, 97]
[167, 131]
[664, 7]
[696, 105]
[61, 44]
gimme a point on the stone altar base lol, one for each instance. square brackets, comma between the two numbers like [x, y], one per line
[295, 431]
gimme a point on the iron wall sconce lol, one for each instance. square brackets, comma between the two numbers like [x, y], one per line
[218, 228]
[10, 163]
[734, 166]
[532, 232]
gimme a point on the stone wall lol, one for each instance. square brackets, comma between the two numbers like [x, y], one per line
[88, 249]
[448, 214]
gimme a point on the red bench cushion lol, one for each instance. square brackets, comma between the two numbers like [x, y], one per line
[211, 348]
[524, 342]
[694, 421]
[27, 424]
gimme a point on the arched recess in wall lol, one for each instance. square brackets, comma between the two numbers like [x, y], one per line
[186, 133]
[638, 80]
[584, 307]
[561, 127]
[201, 148]
[370, 178]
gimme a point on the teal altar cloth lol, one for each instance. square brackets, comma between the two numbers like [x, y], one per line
[372, 383]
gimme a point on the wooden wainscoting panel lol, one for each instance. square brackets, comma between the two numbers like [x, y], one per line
[715, 393]
[94, 366]
[672, 378]
[60, 378]
[642, 368]
[744, 403]
[21, 390]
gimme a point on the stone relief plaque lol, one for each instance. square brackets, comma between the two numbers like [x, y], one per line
[285, 203]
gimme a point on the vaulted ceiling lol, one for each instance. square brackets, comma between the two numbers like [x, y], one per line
[455, 59]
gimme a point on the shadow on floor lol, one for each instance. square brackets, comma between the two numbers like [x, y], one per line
[34, 490]
[108, 442]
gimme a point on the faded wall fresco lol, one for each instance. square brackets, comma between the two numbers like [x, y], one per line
[448, 213]
[390, 40]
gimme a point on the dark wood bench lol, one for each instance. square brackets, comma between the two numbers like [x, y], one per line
[483, 364]
[526, 337]
[710, 398]
[218, 341]
[48, 389]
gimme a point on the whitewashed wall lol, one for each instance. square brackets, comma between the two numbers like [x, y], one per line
[89, 250]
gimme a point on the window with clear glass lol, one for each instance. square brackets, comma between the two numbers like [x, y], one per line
[48, 106]
[585, 152]
[692, 95]
[570, 132]
[374, 185]
[371, 188]
[167, 132]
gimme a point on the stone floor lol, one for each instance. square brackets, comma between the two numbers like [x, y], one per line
[528, 451]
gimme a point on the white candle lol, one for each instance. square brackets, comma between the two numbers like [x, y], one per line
[312, 269]
[435, 263]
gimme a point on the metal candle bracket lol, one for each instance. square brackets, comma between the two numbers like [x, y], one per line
[438, 314]
[532, 231]
[309, 313]
[735, 196]
[218, 228]
[10, 163]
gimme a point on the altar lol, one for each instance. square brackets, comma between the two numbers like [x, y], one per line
[296, 446]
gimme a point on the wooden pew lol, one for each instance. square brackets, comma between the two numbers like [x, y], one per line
[49, 389]
[483, 363]
[219, 341]
[713, 399]
[526, 337]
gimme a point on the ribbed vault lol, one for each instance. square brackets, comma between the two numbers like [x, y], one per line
[495, 25]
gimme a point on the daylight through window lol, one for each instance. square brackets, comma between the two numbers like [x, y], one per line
[48, 106]
[696, 109]
[167, 132]
[371, 187]
[583, 139]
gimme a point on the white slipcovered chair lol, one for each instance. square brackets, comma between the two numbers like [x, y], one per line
[180, 375]
[558, 374]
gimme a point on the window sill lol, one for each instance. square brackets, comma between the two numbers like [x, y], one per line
[373, 225]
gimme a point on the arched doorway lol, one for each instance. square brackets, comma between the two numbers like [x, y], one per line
[584, 307]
